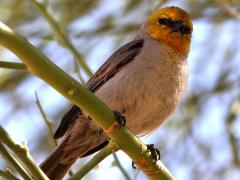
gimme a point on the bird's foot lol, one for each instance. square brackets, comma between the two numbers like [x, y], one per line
[119, 118]
[155, 153]
[120, 122]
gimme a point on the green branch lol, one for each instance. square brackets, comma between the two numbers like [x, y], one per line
[119, 165]
[42, 67]
[8, 157]
[13, 65]
[61, 35]
[102, 154]
[22, 154]
[8, 175]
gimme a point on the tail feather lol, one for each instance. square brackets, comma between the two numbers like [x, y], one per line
[53, 167]
[84, 138]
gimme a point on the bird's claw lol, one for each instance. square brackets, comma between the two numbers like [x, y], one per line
[155, 153]
[119, 118]
[133, 165]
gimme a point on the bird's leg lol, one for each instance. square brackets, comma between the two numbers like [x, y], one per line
[120, 122]
[119, 118]
[155, 153]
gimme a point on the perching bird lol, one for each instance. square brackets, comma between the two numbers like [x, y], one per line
[143, 80]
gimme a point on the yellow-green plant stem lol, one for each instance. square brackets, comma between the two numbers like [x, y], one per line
[61, 34]
[41, 66]
[11, 159]
[92, 163]
[23, 155]
[8, 175]
[13, 65]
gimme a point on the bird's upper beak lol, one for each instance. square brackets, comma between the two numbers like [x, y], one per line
[177, 26]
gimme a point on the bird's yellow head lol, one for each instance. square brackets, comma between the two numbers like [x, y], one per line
[172, 26]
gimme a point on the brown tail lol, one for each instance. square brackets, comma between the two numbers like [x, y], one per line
[84, 138]
[53, 167]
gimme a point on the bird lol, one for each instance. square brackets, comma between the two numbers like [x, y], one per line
[143, 80]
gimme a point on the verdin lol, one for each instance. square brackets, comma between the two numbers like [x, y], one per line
[143, 80]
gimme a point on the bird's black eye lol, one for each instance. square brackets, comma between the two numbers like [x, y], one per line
[164, 21]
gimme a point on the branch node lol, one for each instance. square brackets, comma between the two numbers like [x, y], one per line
[142, 163]
[110, 129]
[152, 173]
[114, 146]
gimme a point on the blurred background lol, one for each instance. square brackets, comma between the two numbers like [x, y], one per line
[200, 141]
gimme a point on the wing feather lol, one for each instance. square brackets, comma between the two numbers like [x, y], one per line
[121, 57]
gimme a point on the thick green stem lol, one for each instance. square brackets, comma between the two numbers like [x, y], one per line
[23, 155]
[106, 151]
[61, 34]
[41, 66]
[8, 157]
[13, 65]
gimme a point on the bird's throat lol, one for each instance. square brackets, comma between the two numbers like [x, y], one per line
[172, 39]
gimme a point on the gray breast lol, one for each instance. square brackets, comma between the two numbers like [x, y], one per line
[148, 89]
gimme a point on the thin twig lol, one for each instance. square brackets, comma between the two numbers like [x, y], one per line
[233, 141]
[77, 71]
[106, 151]
[61, 34]
[23, 155]
[136, 174]
[45, 118]
[13, 65]
[11, 159]
[119, 165]
[229, 9]
[8, 175]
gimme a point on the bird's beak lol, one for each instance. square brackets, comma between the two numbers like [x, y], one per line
[177, 26]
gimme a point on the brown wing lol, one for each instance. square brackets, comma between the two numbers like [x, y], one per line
[122, 56]
[69, 116]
